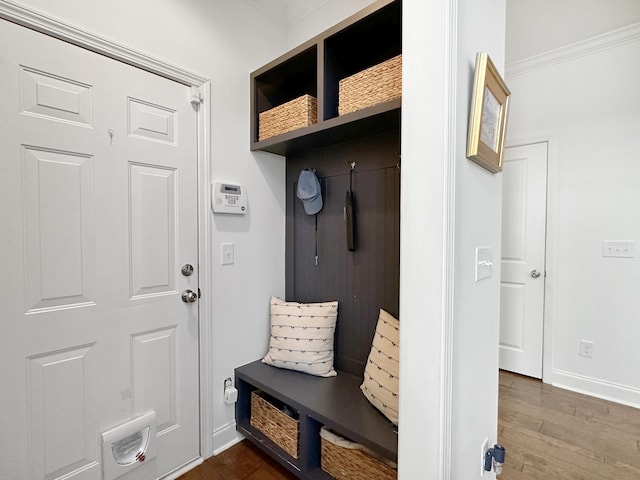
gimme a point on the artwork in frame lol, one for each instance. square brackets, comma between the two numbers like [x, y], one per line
[488, 117]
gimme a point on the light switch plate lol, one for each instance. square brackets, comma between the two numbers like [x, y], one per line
[618, 248]
[484, 263]
[226, 250]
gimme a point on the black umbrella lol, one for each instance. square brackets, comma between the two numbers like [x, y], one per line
[349, 213]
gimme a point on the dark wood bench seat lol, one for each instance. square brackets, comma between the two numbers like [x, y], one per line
[336, 403]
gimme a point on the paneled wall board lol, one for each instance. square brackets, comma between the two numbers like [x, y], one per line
[362, 281]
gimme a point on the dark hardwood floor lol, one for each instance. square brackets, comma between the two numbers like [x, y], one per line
[549, 433]
[243, 461]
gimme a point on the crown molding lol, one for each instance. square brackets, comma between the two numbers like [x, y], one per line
[276, 10]
[297, 11]
[286, 12]
[612, 39]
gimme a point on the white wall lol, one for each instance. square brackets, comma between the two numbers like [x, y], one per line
[224, 41]
[589, 106]
[478, 215]
[449, 322]
[309, 22]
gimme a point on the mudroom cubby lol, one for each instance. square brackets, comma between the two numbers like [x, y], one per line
[315, 68]
[357, 152]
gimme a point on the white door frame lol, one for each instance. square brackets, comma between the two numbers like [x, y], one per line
[550, 260]
[201, 87]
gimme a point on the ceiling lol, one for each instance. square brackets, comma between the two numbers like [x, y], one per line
[537, 26]
[532, 26]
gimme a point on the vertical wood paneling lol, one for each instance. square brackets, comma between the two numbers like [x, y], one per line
[362, 281]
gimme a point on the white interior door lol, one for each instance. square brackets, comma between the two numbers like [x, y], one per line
[524, 206]
[98, 203]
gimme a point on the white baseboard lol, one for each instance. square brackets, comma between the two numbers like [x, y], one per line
[225, 437]
[594, 387]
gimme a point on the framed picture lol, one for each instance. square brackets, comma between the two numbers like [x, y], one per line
[488, 117]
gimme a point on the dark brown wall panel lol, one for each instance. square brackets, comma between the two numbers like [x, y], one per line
[362, 281]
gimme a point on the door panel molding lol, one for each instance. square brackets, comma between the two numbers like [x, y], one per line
[39, 22]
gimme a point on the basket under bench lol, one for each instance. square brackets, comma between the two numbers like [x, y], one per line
[336, 403]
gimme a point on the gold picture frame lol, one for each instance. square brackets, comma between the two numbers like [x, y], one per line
[488, 117]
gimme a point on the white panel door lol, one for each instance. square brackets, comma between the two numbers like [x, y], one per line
[524, 200]
[98, 204]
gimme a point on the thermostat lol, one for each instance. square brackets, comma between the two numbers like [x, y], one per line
[228, 198]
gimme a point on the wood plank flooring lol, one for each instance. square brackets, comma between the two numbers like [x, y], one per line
[552, 433]
[243, 461]
[549, 433]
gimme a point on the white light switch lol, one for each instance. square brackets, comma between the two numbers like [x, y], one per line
[618, 248]
[227, 253]
[484, 263]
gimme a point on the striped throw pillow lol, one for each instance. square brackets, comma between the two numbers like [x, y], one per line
[381, 373]
[302, 336]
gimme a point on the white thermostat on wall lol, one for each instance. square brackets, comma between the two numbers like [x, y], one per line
[228, 198]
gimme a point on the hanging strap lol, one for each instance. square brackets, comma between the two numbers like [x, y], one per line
[316, 252]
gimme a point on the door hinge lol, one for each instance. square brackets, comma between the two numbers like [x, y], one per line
[196, 96]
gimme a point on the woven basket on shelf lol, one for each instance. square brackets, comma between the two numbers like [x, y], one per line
[352, 464]
[276, 425]
[297, 113]
[377, 84]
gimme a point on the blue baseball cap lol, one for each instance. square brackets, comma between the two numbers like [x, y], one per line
[309, 192]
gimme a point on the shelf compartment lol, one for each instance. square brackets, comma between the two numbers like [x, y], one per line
[378, 84]
[370, 41]
[297, 113]
[270, 420]
[290, 78]
[353, 463]
[315, 68]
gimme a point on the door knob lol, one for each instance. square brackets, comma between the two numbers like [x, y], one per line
[189, 296]
[535, 273]
[187, 270]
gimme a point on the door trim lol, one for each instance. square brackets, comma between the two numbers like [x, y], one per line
[550, 256]
[62, 31]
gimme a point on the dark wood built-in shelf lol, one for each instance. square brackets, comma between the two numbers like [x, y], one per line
[369, 37]
[336, 403]
[363, 280]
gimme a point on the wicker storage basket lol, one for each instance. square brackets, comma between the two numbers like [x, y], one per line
[297, 113]
[275, 424]
[353, 464]
[377, 84]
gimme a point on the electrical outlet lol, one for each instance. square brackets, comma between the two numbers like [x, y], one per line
[586, 348]
[483, 453]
